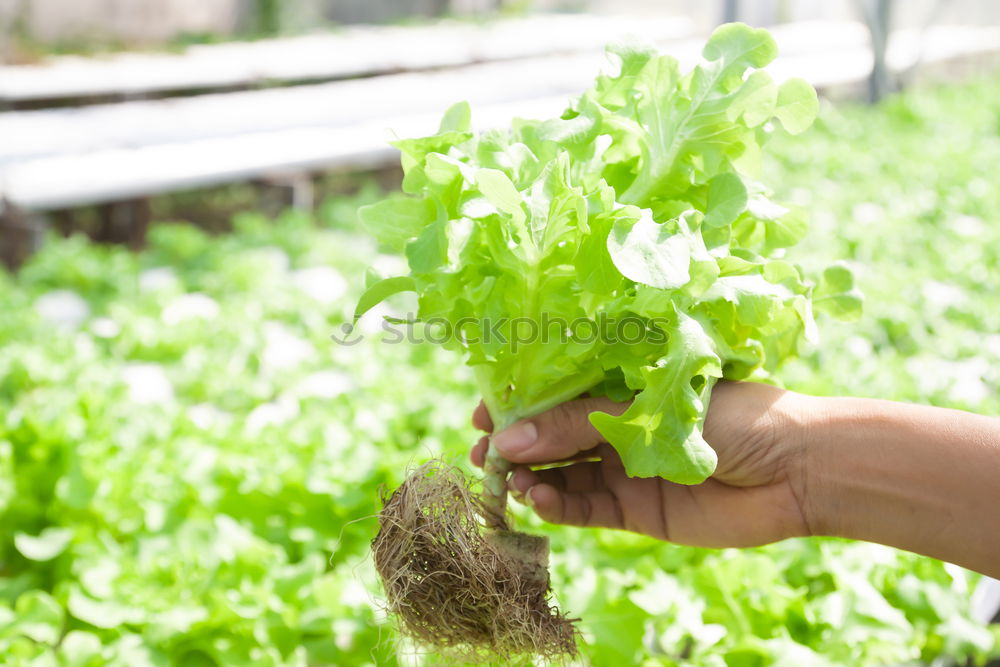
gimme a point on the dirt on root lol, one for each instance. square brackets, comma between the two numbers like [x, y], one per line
[458, 588]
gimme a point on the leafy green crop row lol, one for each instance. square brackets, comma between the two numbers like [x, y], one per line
[189, 465]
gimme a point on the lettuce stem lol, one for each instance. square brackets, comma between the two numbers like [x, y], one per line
[496, 468]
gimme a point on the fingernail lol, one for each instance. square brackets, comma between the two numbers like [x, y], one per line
[516, 438]
[529, 497]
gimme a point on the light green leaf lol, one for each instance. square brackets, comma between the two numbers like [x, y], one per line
[837, 295]
[578, 129]
[80, 649]
[727, 197]
[613, 92]
[780, 271]
[846, 306]
[660, 433]
[738, 43]
[836, 278]
[797, 105]
[74, 488]
[498, 188]
[39, 617]
[458, 118]
[429, 251]
[132, 649]
[381, 291]
[731, 265]
[756, 300]
[649, 253]
[99, 613]
[594, 267]
[785, 231]
[46, 545]
[398, 219]
[755, 100]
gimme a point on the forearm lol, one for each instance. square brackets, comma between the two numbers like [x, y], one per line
[918, 478]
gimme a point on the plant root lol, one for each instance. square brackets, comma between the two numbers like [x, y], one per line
[457, 588]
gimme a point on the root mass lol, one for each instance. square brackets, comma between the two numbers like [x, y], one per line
[461, 589]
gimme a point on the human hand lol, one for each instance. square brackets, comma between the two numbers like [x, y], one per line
[754, 497]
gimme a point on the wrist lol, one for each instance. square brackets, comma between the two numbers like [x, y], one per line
[853, 480]
[804, 423]
[912, 477]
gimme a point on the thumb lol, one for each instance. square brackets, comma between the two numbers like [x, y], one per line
[557, 434]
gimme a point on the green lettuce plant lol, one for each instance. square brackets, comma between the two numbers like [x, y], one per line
[639, 205]
[637, 209]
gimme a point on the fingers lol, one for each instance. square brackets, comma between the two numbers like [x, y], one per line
[558, 434]
[594, 493]
[596, 509]
[574, 478]
[481, 418]
[574, 495]
[478, 453]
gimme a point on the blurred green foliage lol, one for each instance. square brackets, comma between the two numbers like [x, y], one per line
[189, 465]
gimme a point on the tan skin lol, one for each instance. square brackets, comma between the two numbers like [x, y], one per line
[918, 478]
